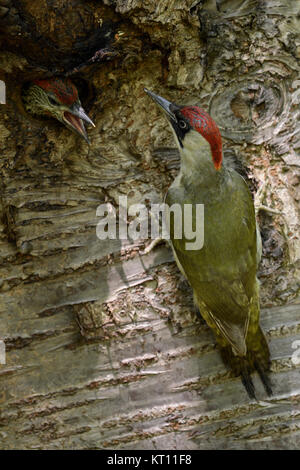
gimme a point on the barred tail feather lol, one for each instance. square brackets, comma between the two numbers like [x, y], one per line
[257, 358]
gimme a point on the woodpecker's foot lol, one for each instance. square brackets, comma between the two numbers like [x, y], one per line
[258, 201]
[267, 209]
[152, 245]
[199, 316]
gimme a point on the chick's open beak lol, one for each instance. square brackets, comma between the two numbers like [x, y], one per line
[74, 118]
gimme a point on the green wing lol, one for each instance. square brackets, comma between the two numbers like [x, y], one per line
[223, 273]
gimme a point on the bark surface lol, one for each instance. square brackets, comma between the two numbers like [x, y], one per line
[103, 346]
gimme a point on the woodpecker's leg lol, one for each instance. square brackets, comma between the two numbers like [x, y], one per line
[258, 201]
[157, 240]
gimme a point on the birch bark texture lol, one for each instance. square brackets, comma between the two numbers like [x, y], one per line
[103, 346]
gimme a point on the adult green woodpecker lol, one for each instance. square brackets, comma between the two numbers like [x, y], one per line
[223, 272]
[57, 98]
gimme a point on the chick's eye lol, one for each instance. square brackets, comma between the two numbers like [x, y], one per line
[182, 124]
[52, 100]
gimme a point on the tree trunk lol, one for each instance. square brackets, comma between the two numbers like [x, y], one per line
[104, 348]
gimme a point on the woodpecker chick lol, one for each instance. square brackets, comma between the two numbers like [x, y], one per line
[223, 272]
[57, 98]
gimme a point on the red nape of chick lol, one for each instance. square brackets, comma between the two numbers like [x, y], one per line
[63, 89]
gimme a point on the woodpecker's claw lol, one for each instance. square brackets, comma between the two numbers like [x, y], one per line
[152, 245]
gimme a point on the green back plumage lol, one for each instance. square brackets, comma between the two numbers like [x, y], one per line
[223, 272]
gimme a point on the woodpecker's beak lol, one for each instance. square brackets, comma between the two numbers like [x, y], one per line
[164, 104]
[74, 119]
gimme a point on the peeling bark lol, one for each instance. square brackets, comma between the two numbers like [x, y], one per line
[104, 348]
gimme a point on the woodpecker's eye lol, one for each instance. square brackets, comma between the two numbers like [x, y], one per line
[182, 124]
[52, 100]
